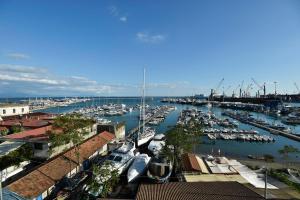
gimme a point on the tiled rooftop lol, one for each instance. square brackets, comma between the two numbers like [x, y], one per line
[36, 134]
[47, 174]
[196, 190]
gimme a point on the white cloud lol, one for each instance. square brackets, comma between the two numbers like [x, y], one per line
[123, 19]
[17, 56]
[39, 81]
[21, 68]
[115, 12]
[148, 38]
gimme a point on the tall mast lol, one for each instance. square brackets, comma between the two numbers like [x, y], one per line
[144, 94]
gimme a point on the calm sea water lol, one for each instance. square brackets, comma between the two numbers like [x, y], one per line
[231, 148]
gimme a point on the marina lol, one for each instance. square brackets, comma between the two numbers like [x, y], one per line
[234, 148]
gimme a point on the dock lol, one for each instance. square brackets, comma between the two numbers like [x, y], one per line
[271, 130]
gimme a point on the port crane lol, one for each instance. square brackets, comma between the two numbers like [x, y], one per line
[241, 88]
[247, 91]
[261, 87]
[296, 85]
[234, 91]
[225, 90]
[218, 86]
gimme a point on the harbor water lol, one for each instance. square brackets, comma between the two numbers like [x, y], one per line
[233, 148]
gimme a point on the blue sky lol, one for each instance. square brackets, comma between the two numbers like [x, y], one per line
[100, 47]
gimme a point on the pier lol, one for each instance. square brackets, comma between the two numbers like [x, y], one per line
[271, 130]
[160, 111]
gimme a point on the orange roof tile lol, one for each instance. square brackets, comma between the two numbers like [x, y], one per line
[31, 134]
[49, 173]
[31, 185]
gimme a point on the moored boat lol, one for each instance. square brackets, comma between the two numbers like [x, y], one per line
[160, 169]
[138, 167]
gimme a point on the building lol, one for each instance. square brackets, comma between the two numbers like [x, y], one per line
[13, 109]
[41, 182]
[196, 190]
[116, 128]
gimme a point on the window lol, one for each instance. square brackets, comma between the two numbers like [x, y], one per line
[38, 146]
[14, 110]
[4, 111]
[22, 110]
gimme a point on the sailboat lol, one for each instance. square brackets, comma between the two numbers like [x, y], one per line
[147, 133]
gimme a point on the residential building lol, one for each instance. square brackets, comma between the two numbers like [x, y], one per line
[41, 182]
[13, 109]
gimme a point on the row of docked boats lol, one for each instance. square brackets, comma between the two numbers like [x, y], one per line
[234, 131]
[241, 137]
[105, 110]
[208, 119]
[273, 128]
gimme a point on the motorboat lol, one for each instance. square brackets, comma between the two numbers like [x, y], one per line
[138, 167]
[157, 144]
[160, 169]
[122, 157]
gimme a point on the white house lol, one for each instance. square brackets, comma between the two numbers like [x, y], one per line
[13, 109]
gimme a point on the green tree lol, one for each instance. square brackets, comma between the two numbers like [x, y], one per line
[179, 142]
[16, 129]
[17, 156]
[104, 179]
[70, 130]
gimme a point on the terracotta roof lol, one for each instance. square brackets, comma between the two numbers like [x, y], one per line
[56, 169]
[34, 123]
[196, 190]
[107, 135]
[46, 175]
[89, 147]
[31, 185]
[38, 133]
[10, 123]
[190, 162]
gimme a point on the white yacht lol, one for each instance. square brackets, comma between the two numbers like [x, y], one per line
[138, 167]
[157, 144]
[122, 157]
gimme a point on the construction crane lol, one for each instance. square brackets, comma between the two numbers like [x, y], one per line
[296, 85]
